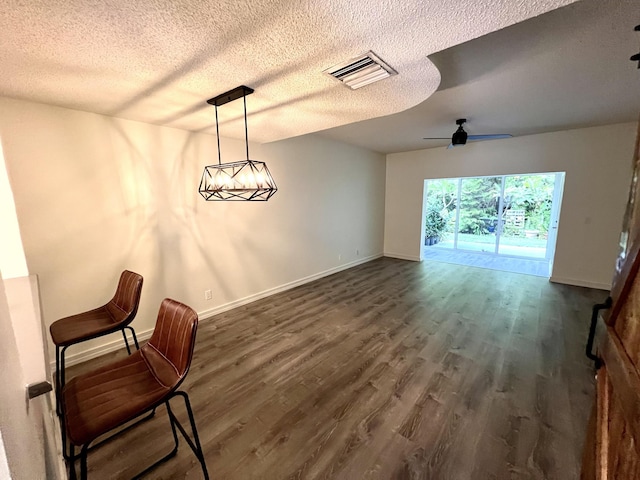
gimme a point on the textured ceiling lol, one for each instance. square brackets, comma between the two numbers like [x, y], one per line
[158, 61]
[568, 68]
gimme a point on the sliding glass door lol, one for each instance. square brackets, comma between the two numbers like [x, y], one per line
[526, 218]
[510, 215]
[478, 215]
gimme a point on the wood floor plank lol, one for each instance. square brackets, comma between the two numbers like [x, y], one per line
[389, 370]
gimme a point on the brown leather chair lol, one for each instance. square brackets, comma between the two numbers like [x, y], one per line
[112, 317]
[104, 399]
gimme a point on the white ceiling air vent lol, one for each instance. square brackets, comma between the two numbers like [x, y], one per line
[361, 71]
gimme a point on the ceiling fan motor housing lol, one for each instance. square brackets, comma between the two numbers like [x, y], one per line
[459, 137]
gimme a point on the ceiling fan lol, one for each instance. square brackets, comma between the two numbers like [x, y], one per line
[460, 137]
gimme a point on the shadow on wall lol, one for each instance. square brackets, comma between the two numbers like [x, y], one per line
[233, 37]
[180, 236]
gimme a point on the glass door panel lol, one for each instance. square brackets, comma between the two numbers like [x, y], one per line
[526, 215]
[441, 207]
[514, 215]
[478, 216]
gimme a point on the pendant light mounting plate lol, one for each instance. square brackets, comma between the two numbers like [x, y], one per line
[230, 96]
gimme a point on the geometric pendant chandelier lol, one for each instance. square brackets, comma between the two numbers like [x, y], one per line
[241, 180]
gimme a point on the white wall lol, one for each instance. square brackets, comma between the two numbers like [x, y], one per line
[27, 435]
[96, 195]
[18, 431]
[12, 260]
[28, 446]
[597, 162]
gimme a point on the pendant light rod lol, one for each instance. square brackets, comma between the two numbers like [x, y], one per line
[218, 136]
[230, 96]
[246, 132]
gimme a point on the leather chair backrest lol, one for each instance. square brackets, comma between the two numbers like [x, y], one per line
[170, 348]
[124, 304]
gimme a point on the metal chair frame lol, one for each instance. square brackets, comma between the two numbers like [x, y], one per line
[194, 444]
[62, 348]
[60, 359]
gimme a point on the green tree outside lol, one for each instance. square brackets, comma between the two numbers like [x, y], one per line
[480, 202]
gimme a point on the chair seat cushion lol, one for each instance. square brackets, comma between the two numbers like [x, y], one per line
[103, 399]
[83, 326]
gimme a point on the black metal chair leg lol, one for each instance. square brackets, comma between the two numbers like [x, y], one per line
[72, 463]
[172, 453]
[58, 387]
[126, 342]
[193, 444]
[83, 462]
[63, 432]
[197, 448]
[135, 339]
[62, 367]
[173, 428]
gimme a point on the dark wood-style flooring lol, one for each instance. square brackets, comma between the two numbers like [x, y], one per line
[390, 370]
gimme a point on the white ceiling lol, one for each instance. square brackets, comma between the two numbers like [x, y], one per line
[158, 61]
[568, 68]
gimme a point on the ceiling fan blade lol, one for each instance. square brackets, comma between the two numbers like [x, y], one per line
[436, 138]
[490, 136]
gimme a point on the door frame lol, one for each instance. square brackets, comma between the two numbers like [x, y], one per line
[554, 221]
[552, 236]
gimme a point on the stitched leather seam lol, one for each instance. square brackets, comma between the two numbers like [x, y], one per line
[119, 307]
[152, 372]
[170, 362]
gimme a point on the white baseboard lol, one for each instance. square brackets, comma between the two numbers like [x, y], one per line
[117, 343]
[580, 283]
[401, 256]
[287, 286]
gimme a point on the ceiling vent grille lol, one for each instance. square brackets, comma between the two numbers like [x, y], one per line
[361, 71]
